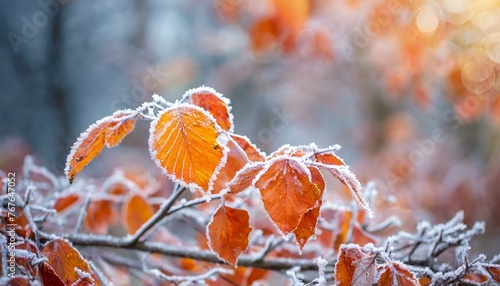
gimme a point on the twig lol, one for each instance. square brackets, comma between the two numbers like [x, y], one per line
[104, 280]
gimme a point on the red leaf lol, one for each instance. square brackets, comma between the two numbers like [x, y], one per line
[228, 232]
[287, 192]
[396, 274]
[354, 267]
[63, 258]
[185, 142]
[108, 131]
[213, 102]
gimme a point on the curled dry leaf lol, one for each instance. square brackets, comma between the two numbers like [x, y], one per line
[213, 102]
[64, 258]
[136, 211]
[228, 233]
[287, 192]
[108, 131]
[188, 145]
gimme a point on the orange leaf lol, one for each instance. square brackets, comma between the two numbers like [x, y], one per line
[354, 267]
[396, 274]
[287, 192]
[253, 153]
[186, 143]
[329, 159]
[63, 258]
[307, 225]
[135, 213]
[228, 232]
[108, 131]
[213, 102]
[244, 178]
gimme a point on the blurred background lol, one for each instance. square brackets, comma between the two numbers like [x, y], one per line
[410, 89]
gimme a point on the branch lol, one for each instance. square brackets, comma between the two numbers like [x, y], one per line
[162, 212]
[175, 251]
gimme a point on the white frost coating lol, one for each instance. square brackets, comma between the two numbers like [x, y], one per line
[322, 263]
[347, 177]
[84, 274]
[292, 273]
[153, 153]
[159, 99]
[207, 89]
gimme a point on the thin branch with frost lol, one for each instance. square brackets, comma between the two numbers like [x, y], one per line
[81, 217]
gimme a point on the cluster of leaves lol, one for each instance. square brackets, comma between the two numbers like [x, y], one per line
[193, 142]
[241, 201]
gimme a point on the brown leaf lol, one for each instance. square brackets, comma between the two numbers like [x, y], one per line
[228, 233]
